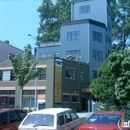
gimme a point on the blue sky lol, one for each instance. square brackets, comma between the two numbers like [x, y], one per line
[17, 19]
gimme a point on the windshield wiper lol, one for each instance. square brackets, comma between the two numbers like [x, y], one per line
[40, 125]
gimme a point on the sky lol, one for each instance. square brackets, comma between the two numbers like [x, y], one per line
[18, 18]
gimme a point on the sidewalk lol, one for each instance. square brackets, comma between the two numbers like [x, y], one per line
[84, 114]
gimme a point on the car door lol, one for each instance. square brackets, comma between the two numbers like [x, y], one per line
[61, 124]
[4, 122]
[14, 119]
[75, 121]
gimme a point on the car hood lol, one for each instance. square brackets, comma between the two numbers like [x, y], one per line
[98, 127]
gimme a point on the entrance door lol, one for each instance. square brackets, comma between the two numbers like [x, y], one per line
[83, 104]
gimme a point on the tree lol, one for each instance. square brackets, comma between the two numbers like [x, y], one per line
[51, 17]
[102, 86]
[112, 84]
[119, 65]
[23, 68]
[120, 24]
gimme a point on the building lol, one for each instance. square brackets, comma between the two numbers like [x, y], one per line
[62, 84]
[87, 35]
[6, 49]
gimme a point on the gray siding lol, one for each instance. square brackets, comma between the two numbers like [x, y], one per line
[6, 49]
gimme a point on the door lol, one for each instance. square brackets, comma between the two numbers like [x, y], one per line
[83, 104]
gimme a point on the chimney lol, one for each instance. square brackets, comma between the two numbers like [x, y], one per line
[6, 41]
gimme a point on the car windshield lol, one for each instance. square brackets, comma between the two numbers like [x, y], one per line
[112, 119]
[39, 120]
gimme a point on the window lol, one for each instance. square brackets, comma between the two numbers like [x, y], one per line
[26, 102]
[73, 52]
[84, 9]
[94, 74]
[11, 92]
[97, 36]
[82, 76]
[4, 92]
[21, 113]
[6, 75]
[12, 75]
[70, 73]
[97, 55]
[73, 36]
[14, 117]
[67, 117]
[66, 98]
[42, 76]
[73, 115]
[3, 118]
[106, 38]
[74, 98]
[60, 119]
[1, 73]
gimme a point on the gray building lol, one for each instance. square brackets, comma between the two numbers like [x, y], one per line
[6, 49]
[87, 35]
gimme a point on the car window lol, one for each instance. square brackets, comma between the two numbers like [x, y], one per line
[60, 119]
[39, 119]
[104, 119]
[67, 117]
[14, 116]
[3, 118]
[74, 116]
[21, 114]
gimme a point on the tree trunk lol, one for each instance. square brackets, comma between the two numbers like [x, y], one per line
[21, 97]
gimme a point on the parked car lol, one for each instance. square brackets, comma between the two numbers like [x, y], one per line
[10, 118]
[105, 121]
[52, 118]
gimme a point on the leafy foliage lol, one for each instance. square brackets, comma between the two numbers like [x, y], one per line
[102, 85]
[51, 17]
[112, 84]
[23, 66]
[120, 24]
[119, 64]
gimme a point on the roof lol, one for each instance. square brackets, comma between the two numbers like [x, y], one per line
[51, 110]
[110, 112]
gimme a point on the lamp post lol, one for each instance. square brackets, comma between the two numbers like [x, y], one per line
[36, 71]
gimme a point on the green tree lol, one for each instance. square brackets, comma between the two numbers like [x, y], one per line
[23, 68]
[112, 84]
[51, 17]
[102, 86]
[120, 24]
[119, 65]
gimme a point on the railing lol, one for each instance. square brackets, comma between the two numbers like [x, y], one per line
[50, 44]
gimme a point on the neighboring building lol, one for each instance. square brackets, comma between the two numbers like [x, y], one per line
[6, 49]
[87, 35]
[62, 84]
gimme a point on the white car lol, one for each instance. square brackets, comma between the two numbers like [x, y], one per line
[51, 119]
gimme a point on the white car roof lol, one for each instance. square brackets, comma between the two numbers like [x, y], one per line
[51, 110]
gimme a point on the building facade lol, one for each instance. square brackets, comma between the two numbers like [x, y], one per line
[62, 84]
[87, 35]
